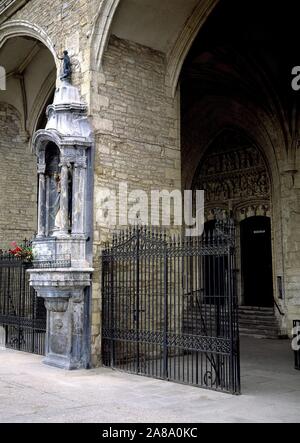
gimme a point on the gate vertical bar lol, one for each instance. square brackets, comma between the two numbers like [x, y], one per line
[137, 313]
[20, 307]
[112, 313]
[234, 342]
[33, 310]
[166, 316]
[236, 325]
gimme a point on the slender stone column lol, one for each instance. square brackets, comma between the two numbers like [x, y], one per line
[47, 205]
[79, 197]
[42, 202]
[64, 200]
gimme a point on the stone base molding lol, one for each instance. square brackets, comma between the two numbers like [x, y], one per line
[63, 292]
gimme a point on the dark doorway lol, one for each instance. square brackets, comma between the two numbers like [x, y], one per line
[256, 254]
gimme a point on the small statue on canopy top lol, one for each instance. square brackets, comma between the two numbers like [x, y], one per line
[66, 68]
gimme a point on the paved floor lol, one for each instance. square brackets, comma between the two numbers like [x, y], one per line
[32, 392]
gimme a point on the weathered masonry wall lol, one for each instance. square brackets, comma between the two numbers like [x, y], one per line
[68, 25]
[291, 243]
[62, 21]
[18, 183]
[136, 123]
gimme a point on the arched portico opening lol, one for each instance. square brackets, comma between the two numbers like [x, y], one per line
[26, 56]
[235, 91]
[30, 83]
[233, 79]
[169, 27]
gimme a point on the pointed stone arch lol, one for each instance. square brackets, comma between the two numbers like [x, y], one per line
[175, 56]
[35, 94]
[178, 53]
[101, 30]
[23, 28]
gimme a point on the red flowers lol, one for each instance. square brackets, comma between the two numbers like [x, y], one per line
[17, 251]
[21, 251]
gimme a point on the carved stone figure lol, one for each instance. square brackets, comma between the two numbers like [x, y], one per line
[56, 208]
[53, 188]
[67, 67]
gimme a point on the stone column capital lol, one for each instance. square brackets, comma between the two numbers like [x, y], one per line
[41, 168]
[80, 163]
[64, 163]
[58, 304]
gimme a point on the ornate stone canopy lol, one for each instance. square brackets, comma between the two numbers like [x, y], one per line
[62, 271]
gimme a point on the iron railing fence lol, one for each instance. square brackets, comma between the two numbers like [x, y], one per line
[22, 313]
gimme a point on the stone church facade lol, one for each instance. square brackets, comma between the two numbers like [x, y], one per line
[170, 106]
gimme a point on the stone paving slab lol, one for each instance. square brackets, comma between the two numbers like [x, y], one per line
[32, 392]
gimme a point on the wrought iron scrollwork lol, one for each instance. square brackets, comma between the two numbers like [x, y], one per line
[169, 306]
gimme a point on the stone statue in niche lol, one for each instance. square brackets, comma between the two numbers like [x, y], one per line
[54, 213]
[67, 67]
[53, 189]
[57, 211]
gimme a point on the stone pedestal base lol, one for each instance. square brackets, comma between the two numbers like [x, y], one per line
[63, 292]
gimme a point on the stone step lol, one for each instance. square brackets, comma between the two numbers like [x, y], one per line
[259, 333]
[254, 321]
[258, 312]
[271, 326]
[243, 316]
[256, 309]
[262, 326]
[258, 325]
[259, 322]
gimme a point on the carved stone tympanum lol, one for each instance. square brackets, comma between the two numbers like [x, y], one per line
[233, 174]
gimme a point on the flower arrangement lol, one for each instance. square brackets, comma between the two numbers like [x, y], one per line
[23, 251]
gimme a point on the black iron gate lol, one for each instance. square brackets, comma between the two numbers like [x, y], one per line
[22, 313]
[170, 309]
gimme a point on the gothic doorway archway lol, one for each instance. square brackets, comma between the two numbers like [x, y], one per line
[234, 175]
